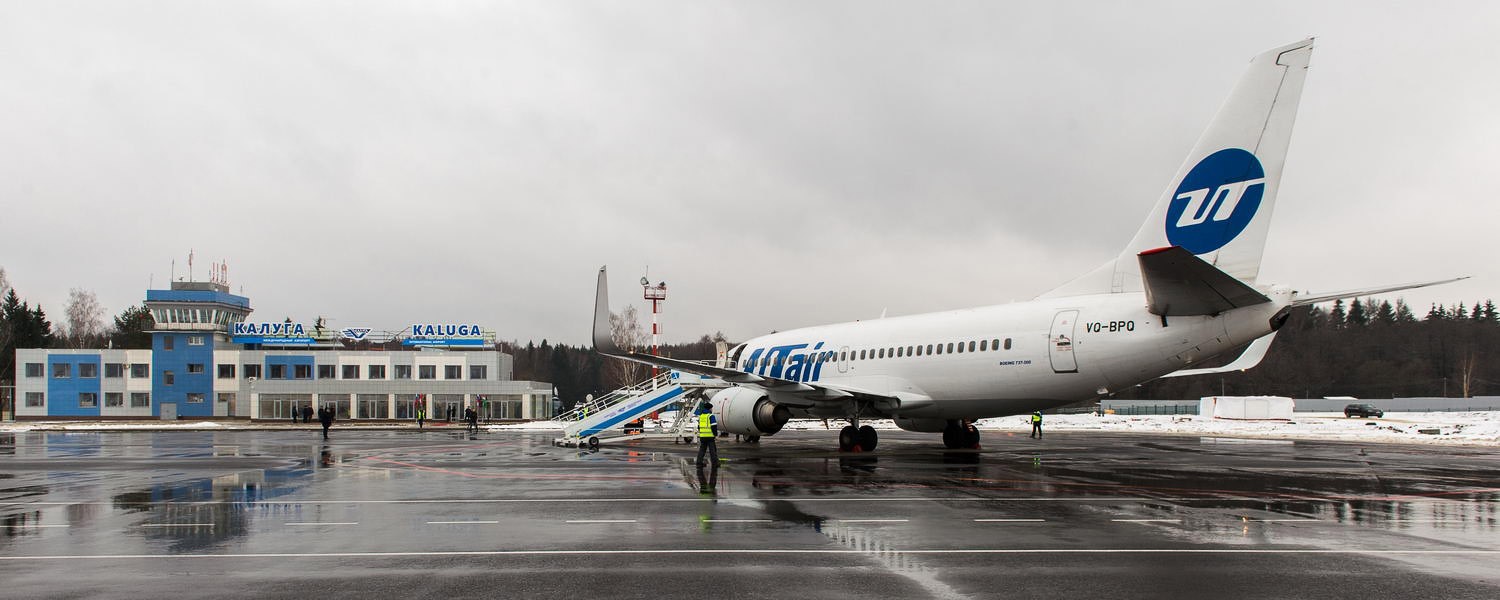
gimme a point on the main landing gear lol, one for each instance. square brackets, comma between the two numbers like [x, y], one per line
[960, 434]
[857, 438]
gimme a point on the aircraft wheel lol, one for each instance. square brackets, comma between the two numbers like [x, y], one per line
[754, 439]
[848, 438]
[868, 438]
[953, 436]
[971, 438]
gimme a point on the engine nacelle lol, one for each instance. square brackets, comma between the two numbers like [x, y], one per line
[748, 412]
[922, 425]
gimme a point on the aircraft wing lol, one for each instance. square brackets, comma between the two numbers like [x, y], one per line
[1179, 284]
[1369, 292]
[810, 393]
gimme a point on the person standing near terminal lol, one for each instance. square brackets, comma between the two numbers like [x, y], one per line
[325, 416]
[421, 413]
[307, 413]
[708, 433]
[1036, 424]
[472, 416]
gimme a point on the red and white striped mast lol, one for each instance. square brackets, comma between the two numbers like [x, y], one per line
[655, 294]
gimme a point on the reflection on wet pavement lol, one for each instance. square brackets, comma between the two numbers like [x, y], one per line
[253, 493]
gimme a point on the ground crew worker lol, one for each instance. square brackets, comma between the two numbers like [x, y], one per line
[708, 433]
[1036, 424]
[472, 416]
[421, 414]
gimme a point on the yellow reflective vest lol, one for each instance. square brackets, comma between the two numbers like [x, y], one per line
[705, 425]
[1036, 418]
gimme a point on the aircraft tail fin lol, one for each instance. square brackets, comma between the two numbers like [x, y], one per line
[1218, 205]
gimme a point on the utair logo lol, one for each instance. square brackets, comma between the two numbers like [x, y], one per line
[1215, 201]
[794, 362]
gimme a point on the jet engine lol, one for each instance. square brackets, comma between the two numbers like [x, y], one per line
[748, 412]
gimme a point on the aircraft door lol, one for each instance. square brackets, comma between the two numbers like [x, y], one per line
[843, 359]
[1060, 342]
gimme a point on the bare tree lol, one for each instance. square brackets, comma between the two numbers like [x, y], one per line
[4, 323]
[1466, 371]
[625, 329]
[85, 319]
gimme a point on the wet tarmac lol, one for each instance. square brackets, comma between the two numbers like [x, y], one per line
[281, 514]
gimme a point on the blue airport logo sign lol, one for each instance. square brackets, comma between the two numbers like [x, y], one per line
[354, 333]
[444, 334]
[1216, 201]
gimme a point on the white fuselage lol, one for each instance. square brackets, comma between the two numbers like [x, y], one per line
[1014, 358]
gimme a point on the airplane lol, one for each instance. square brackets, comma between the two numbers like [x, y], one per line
[1182, 292]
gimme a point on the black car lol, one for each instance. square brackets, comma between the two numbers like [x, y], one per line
[1363, 411]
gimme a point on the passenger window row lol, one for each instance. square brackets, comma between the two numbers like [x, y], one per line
[894, 352]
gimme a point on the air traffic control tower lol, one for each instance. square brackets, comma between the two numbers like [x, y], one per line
[192, 319]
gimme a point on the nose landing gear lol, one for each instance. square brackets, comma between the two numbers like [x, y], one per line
[858, 439]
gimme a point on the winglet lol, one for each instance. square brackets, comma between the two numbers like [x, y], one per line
[603, 341]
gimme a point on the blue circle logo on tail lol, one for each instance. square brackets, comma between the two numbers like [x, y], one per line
[1215, 201]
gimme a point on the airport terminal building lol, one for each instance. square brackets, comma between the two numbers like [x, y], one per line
[207, 361]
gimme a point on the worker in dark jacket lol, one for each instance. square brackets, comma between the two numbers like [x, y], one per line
[1036, 424]
[708, 433]
[325, 416]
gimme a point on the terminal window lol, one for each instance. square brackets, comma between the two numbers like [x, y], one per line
[88, 370]
[252, 371]
[426, 371]
[140, 399]
[403, 371]
[226, 397]
[195, 340]
[140, 370]
[453, 371]
[114, 370]
[34, 370]
[377, 371]
[114, 399]
[166, 342]
[88, 400]
[351, 371]
[35, 399]
[277, 371]
[226, 371]
[195, 398]
[168, 378]
[195, 368]
[302, 371]
[325, 371]
[62, 370]
[478, 371]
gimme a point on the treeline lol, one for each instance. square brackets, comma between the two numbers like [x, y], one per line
[578, 371]
[24, 325]
[1367, 349]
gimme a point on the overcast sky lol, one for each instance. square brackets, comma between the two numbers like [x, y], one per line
[778, 164]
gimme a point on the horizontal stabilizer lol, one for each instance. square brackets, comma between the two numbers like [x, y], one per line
[1247, 360]
[1369, 291]
[1179, 284]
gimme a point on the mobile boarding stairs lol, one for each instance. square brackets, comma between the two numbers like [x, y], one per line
[604, 418]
